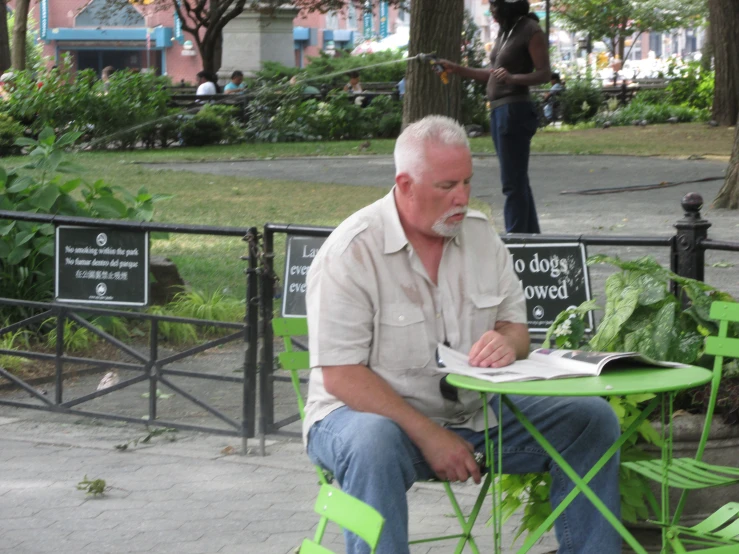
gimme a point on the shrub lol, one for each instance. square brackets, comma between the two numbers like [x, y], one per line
[580, 101]
[116, 115]
[27, 248]
[211, 125]
[10, 131]
[640, 110]
[692, 86]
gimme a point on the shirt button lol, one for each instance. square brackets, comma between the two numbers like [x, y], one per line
[401, 318]
[438, 316]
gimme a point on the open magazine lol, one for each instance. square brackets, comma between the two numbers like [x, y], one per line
[546, 363]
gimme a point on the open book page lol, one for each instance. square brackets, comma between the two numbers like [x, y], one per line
[520, 370]
[592, 363]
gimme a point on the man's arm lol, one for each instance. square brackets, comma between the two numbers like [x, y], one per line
[364, 391]
[501, 347]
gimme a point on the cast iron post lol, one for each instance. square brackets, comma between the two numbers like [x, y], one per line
[691, 230]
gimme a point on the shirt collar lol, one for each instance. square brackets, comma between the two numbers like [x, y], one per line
[395, 239]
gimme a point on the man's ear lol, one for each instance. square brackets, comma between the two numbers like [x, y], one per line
[403, 182]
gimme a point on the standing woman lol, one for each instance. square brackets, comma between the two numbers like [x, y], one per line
[518, 60]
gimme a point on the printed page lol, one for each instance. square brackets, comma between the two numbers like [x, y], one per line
[578, 361]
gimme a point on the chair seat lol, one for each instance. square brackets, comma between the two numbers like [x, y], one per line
[686, 473]
[719, 532]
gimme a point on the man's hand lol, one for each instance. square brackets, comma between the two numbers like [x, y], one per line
[492, 350]
[449, 455]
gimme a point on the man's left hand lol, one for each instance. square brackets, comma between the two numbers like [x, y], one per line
[492, 350]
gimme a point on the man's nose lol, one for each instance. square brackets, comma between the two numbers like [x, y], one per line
[462, 195]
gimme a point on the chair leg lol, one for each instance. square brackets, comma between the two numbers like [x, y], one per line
[468, 523]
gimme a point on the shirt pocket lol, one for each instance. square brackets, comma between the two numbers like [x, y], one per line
[403, 340]
[484, 313]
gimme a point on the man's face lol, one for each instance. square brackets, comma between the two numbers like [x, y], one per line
[437, 200]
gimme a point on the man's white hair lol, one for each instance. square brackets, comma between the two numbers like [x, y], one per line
[410, 148]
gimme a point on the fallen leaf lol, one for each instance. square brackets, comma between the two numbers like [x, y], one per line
[228, 451]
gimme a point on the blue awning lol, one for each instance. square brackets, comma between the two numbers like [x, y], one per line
[301, 33]
[161, 37]
[338, 35]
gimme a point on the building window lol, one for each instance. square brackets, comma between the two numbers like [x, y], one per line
[351, 17]
[332, 20]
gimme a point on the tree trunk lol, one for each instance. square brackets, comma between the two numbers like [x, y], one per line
[4, 40]
[728, 196]
[18, 55]
[724, 15]
[435, 27]
[707, 50]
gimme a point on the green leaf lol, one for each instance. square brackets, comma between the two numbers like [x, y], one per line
[3, 176]
[45, 197]
[109, 207]
[160, 197]
[5, 229]
[24, 141]
[21, 184]
[65, 166]
[70, 185]
[47, 136]
[18, 254]
[4, 249]
[47, 248]
[68, 139]
[23, 237]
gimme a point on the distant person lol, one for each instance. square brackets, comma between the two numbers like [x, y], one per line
[353, 85]
[7, 85]
[206, 86]
[105, 77]
[307, 89]
[550, 98]
[519, 60]
[236, 84]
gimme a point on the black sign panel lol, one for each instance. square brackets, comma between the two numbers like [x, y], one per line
[554, 277]
[300, 254]
[102, 266]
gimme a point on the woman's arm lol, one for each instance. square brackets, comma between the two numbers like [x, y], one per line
[467, 72]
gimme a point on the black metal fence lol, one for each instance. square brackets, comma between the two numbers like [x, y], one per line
[151, 367]
[687, 248]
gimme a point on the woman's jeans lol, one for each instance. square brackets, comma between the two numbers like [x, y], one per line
[512, 126]
[375, 461]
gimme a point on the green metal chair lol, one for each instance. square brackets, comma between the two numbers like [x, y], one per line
[347, 512]
[295, 361]
[692, 473]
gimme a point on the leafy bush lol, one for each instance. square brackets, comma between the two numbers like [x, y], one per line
[27, 248]
[640, 110]
[213, 124]
[692, 86]
[119, 115]
[580, 101]
[10, 131]
[322, 65]
[641, 315]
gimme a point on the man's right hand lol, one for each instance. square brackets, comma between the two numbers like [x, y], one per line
[450, 456]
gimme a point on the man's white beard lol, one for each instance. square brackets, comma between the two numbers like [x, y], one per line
[445, 229]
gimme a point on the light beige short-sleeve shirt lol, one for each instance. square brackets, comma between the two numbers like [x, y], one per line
[370, 301]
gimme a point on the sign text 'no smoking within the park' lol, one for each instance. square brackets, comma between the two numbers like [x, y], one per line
[102, 266]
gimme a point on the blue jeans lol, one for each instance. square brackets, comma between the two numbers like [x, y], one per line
[375, 461]
[512, 126]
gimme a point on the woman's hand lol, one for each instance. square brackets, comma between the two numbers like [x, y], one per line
[502, 76]
[449, 67]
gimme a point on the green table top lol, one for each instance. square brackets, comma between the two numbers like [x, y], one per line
[610, 382]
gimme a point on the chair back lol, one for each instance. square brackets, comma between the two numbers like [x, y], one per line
[349, 513]
[293, 360]
[720, 346]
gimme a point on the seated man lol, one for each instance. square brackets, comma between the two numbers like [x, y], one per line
[414, 269]
[550, 98]
[236, 85]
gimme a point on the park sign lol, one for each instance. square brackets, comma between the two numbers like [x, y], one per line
[300, 254]
[95, 265]
[554, 277]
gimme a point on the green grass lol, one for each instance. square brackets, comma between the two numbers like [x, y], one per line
[210, 264]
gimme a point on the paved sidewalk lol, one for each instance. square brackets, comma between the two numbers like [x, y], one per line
[189, 496]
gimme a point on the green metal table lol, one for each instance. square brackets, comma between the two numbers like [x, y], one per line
[663, 382]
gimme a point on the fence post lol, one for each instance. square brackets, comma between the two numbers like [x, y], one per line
[691, 230]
